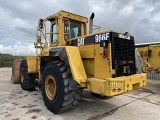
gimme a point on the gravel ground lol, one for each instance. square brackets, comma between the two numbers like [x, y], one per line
[16, 104]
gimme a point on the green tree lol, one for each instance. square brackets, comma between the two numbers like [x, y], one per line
[6, 60]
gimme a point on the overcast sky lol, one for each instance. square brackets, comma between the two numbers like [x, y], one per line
[18, 19]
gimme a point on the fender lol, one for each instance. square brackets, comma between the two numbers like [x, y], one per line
[31, 62]
[73, 63]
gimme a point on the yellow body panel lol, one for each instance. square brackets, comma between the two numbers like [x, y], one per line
[115, 86]
[32, 63]
[76, 65]
[90, 51]
[102, 64]
[89, 66]
[94, 63]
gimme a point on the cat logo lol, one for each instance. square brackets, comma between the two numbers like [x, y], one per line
[124, 36]
[80, 41]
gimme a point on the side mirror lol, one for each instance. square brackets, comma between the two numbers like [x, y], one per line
[40, 24]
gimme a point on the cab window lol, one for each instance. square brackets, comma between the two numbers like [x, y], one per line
[74, 30]
[54, 33]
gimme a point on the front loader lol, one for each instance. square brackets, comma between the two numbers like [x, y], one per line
[69, 59]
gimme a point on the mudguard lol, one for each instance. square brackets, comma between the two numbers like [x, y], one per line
[31, 62]
[73, 62]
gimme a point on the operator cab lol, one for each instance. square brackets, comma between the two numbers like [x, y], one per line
[64, 26]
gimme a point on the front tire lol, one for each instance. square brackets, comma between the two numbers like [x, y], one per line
[55, 88]
[26, 79]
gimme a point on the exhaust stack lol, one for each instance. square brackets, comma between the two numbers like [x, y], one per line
[91, 23]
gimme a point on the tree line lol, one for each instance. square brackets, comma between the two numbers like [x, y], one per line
[6, 60]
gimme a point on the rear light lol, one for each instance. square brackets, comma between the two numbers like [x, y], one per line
[124, 62]
[130, 62]
[105, 52]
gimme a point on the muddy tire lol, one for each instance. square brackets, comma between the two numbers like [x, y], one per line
[55, 88]
[27, 79]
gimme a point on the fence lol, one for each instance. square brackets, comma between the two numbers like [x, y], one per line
[154, 76]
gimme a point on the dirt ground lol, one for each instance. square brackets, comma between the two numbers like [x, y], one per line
[16, 104]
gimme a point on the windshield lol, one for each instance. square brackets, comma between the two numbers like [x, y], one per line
[75, 29]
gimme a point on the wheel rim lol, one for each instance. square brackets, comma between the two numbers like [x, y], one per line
[50, 87]
[22, 75]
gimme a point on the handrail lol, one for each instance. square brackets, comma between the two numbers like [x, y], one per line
[96, 27]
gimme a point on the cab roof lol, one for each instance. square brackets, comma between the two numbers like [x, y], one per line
[68, 15]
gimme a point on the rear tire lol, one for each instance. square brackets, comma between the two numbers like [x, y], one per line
[27, 79]
[55, 88]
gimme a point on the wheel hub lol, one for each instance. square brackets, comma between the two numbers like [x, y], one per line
[50, 87]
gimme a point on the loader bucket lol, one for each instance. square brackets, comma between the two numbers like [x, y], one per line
[15, 71]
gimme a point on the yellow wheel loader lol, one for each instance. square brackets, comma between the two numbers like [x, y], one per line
[69, 59]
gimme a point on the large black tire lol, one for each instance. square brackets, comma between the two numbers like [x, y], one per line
[27, 79]
[62, 98]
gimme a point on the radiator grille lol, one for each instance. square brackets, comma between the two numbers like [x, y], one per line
[123, 50]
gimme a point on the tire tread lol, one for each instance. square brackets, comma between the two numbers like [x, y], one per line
[71, 97]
